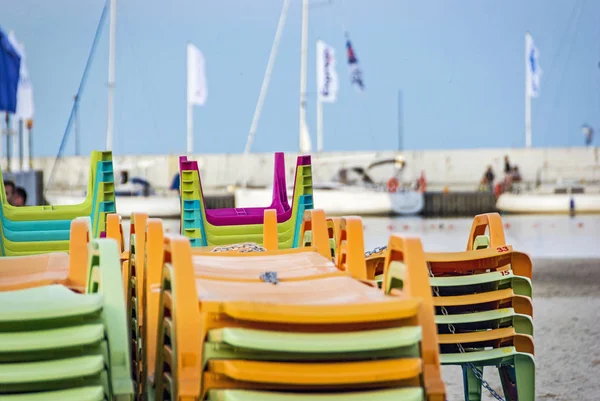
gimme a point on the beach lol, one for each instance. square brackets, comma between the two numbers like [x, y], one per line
[566, 308]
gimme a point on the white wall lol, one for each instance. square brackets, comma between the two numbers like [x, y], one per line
[456, 168]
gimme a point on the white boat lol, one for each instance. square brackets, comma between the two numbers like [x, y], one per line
[352, 193]
[155, 206]
[344, 200]
[562, 199]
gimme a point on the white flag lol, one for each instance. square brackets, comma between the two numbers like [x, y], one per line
[327, 78]
[196, 76]
[24, 89]
[533, 72]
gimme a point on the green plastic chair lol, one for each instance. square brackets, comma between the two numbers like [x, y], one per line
[56, 344]
[460, 309]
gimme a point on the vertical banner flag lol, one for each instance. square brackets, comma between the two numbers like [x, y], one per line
[25, 109]
[10, 64]
[533, 71]
[355, 72]
[196, 76]
[327, 78]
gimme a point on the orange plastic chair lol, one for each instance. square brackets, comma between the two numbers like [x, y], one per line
[69, 269]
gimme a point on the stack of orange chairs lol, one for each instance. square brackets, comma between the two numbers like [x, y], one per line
[217, 324]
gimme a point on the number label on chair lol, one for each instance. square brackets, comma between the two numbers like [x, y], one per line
[502, 249]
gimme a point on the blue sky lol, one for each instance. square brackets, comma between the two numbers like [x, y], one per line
[459, 63]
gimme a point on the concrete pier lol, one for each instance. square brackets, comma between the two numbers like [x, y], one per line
[455, 169]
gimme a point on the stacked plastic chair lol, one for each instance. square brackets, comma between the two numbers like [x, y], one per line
[484, 312]
[205, 227]
[30, 230]
[63, 330]
[134, 271]
[284, 324]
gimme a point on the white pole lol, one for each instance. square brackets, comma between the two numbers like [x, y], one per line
[26, 162]
[303, 66]
[190, 128]
[15, 145]
[319, 125]
[527, 92]
[190, 106]
[111, 75]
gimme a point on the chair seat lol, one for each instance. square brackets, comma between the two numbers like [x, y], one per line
[314, 374]
[46, 303]
[401, 394]
[317, 342]
[91, 393]
[52, 339]
[54, 370]
[491, 357]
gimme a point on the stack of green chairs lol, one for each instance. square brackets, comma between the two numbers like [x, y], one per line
[484, 311]
[60, 345]
[484, 317]
[31, 230]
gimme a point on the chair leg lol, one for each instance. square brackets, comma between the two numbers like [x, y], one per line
[509, 382]
[525, 376]
[472, 384]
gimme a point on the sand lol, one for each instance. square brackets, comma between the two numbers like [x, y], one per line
[566, 302]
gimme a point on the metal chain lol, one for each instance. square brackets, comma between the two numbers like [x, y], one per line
[244, 247]
[452, 330]
[376, 250]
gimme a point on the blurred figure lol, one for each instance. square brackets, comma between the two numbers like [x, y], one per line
[124, 177]
[487, 181]
[516, 175]
[422, 182]
[19, 198]
[9, 188]
[507, 166]
[588, 134]
[175, 183]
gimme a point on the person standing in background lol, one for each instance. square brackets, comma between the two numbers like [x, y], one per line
[19, 198]
[9, 188]
[507, 166]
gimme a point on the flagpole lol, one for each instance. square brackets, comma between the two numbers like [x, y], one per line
[190, 128]
[303, 67]
[400, 123]
[15, 144]
[7, 120]
[21, 160]
[27, 139]
[527, 92]
[189, 106]
[319, 125]
[111, 75]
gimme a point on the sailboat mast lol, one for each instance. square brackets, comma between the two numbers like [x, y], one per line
[303, 131]
[111, 75]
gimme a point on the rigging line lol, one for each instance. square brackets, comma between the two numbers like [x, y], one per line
[264, 87]
[78, 95]
[562, 75]
[576, 7]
